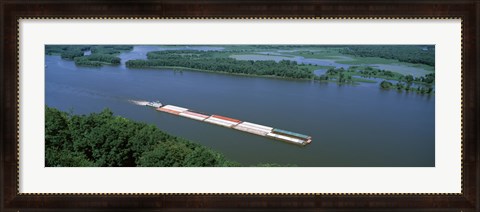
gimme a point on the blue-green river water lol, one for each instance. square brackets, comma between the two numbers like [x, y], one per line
[357, 126]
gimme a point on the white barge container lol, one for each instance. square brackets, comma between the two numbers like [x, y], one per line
[220, 122]
[187, 115]
[163, 109]
[257, 126]
[250, 130]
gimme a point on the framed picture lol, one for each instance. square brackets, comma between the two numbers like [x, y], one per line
[240, 106]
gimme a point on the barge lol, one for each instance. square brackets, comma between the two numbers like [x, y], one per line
[248, 127]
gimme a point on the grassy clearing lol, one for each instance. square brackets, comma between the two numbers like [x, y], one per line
[323, 53]
[363, 80]
[403, 69]
[367, 60]
[422, 66]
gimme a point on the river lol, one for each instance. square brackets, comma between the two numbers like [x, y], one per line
[351, 126]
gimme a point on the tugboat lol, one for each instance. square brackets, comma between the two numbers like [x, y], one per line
[155, 104]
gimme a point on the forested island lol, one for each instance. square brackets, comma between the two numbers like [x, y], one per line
[211, 61]
[99, 54]
[104, 140]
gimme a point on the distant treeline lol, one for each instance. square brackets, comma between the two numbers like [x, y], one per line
[100, 54]
[206, 60]
[110, 49]
[104, 140]
[67, 52]
[97, 60]
[409, 54]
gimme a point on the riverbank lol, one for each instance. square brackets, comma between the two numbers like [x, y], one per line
[179, 68]
[104, 140]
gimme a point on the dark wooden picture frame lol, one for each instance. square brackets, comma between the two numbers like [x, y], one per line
[467, 10]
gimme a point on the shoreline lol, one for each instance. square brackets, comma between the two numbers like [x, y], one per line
[180, 68]
[354, 83]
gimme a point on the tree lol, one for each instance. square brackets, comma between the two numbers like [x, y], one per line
[407, 88]
[409, 78]
[201, 157]
[386, 85]
[57, 134]
[399, 85]
[70, 55]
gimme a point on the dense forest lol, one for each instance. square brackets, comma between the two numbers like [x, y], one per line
[66, 52]
[410, 54]
[97, 60]
[104, 140]
[204, 60]
[100, 54]
[110, 49]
